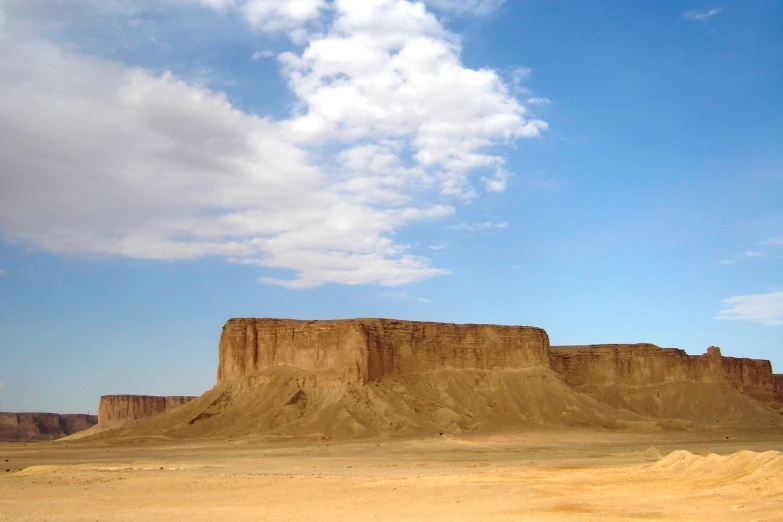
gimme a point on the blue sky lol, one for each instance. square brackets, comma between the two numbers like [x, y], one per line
[610, 171]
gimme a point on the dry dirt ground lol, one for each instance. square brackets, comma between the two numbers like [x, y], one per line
[568, 474]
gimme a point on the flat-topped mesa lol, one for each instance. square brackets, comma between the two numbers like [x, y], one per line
[646, 364]
[364, 350]
[42, 426]
[119, 408]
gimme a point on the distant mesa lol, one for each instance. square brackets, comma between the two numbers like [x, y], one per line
[647, 364]
[375, 377]
[17, 427]
[120, 408]
[113, 411]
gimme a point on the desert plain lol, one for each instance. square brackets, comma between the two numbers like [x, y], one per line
[392, 420]
[540, 474]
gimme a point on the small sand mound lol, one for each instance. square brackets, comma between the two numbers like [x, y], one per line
[741, 466]
[676, 460]
[37, 470]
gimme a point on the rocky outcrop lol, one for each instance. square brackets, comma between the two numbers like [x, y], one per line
[777, 386]
[120, 408]
[366, 377]
[364, 350]
[647, 364]
[42, 426]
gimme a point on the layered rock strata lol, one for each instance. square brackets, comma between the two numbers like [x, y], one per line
[119, 408]
[363, 350]
[777, 386]
[647, 364]
[42, 426]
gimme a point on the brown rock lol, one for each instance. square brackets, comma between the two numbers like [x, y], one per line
[647, 364]
[119, 408]
[777, 386]
[373, 377]
[42, 426]
[364, 350]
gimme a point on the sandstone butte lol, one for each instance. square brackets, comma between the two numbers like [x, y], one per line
[119, 408]
[363, 377]
[42, 426]
[364, 350]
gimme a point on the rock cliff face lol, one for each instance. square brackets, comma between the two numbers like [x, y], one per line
[118, 408]
[777, 386]
[365, 377]
[42, 426]
[647, 364]
[363, 350]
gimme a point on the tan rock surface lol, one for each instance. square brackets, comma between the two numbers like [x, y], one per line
[120, 408]
[777, 385]
[364, 350]
[42, 426]
[647, 364]
[344, 379]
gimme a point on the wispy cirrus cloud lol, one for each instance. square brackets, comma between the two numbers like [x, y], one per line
[763, 248]
[480, 227]
[773, 242]
[389, 128]
[748, 254]
[702, 16]
[260, 55]
[765, 309]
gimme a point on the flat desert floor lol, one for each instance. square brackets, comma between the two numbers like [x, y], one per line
[543, 474]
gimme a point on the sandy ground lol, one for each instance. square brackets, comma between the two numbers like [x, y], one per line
[532, 475]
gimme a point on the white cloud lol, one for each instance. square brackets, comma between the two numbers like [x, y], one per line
[439, 246]
[219, 5]
[272, 15]
[702, 16]
[539, 101]
[773, 242]
[463, 7]
[175, 172]
[498, 182]
[387, 70]
[748, 254]
[761, 308]
[479, 227]
[258, 55]
[404, 296]
[99, 158]
[768, 246]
